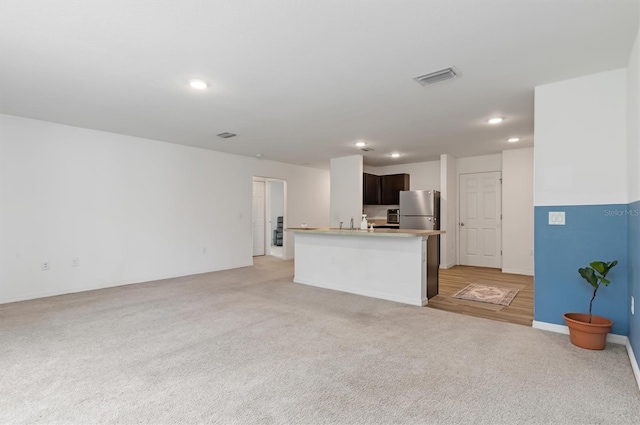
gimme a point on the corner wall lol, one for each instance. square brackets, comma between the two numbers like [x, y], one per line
[633, 158]
[517, 211]
[580, 168]
[448, 211]
[130, 209]
[346, 190]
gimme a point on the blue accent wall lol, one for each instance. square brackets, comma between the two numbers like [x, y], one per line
[633, 241]
[591, 233]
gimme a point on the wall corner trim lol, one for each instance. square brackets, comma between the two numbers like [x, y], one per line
[634, 363]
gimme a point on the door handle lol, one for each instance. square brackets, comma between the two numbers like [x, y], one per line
[462, 224]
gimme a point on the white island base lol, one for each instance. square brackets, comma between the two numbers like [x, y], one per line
[391, 264]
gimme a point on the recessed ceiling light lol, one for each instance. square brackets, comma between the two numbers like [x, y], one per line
[496, 120]
[198, 84]
[513, 140]
[258, 155]
[361, 144]
[395, 155]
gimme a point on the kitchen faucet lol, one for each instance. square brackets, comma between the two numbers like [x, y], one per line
[351, 223]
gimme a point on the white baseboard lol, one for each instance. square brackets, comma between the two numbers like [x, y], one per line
[447, 266]
[516, 271]
[357, 291]
[552, 327]
[563, 329]
[47, 294]
[634, 363]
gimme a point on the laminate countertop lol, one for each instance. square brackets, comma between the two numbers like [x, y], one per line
[393, 233]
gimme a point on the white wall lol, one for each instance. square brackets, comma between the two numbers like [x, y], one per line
[479, 164]
[378, 211]
[576, 162]
[448, 211]
[422, 175]
[633, 122]
[517, 211]
[346, 190]
[130, 209]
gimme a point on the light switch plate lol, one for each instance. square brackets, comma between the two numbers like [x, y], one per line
[556, 218]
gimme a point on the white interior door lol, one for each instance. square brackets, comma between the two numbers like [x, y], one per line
[481, 219]
[258, 218]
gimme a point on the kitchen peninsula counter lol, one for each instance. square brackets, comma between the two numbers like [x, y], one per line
[399, 233]
[393, 264]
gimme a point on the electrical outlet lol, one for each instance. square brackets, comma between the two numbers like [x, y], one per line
[556, 218]
[75, 262]
[633, 307]
[45, 266]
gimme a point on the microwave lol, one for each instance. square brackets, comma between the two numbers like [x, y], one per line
[393, 216]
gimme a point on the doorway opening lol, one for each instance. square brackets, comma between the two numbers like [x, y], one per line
[479, 252]
[269, 217]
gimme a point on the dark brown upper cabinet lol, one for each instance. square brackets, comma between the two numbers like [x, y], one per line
[383, 190]
[370, 189]
[391, 186]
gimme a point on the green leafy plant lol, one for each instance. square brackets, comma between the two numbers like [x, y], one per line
[595, 276]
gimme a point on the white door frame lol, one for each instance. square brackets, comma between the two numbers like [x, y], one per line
[267, 237]
[459, 245]
[264, 217]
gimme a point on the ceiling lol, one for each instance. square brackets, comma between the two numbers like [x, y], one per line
[302, 81]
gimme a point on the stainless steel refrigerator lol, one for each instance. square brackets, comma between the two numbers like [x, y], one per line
[420, 209]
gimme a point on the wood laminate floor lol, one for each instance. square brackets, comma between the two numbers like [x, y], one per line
[520, 311]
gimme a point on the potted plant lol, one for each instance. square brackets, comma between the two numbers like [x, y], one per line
[587, 330]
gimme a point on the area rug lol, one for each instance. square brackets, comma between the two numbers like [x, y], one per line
[487, 294]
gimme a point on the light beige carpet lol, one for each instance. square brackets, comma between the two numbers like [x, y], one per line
[249, 346]
[487, 294]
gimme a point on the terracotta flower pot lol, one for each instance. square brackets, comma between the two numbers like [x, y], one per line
[583, 334]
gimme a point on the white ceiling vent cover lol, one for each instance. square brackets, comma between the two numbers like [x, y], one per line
[438, 76]
[226, 135]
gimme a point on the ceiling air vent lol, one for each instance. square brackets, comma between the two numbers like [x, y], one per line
[226, 135]
[366, 149]
[438, 76]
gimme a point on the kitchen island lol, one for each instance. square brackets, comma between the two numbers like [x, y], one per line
[393, 264]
